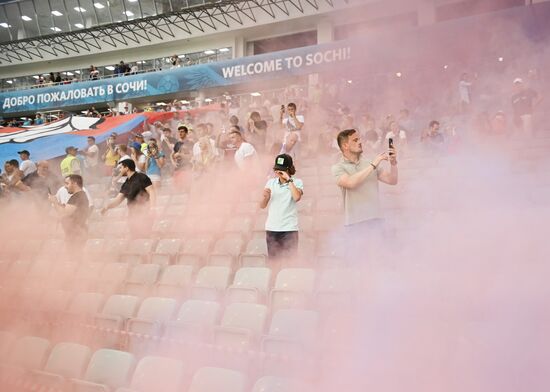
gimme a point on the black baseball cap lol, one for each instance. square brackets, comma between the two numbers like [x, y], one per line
[283, 162]
[24, 152]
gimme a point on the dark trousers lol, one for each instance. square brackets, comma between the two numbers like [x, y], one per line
[281, 244]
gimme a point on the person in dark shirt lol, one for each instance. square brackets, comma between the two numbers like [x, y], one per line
[523, 101]
[140, 196]
[74, 214]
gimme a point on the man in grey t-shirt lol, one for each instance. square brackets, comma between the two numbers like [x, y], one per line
[358, 178]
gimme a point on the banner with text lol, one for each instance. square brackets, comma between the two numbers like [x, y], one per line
[247, 69]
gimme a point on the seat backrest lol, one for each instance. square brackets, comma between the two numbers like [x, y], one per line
[247, 316]
[68, 360]
[210, 379]
[197, 246]
[110, 367]
[157, 309]
[87, 303]
[158, 374]
[29, 352]
[94, 246]
[6, 341]
[114, 272]
[230, 246]
[256, 277]
[199, 312]
[141, 246]
[256, 246]
[55, 300]
[337, 279]
[298, 325]
[144, 274]
[168, 246]
[214, 277]
[177, 275]
[280, 384]
[121, 305]
[299, 279]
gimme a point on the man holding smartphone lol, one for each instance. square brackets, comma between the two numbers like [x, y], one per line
[358, 177]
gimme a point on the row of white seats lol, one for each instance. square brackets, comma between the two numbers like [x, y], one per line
[70, 366]
[292, 288]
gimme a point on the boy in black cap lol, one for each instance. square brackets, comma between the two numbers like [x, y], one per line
[281, 194]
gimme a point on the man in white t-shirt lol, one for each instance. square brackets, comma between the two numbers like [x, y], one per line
[27, 166]
[246, 153]
[92, 156]
[62, 195]
[292, 121]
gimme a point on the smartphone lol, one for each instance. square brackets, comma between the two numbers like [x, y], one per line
[390, 144]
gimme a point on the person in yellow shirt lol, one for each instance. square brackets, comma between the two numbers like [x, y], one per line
[70, 164]
[110, 157]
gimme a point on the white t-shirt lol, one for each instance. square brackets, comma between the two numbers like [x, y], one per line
[92, 161]
[63, 196]
[402, 135]
[246, 150]
[197, 148]
[290, 124]
[282, 214]
[27, 167]
[142, 160]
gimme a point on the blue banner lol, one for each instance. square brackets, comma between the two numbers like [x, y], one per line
[267, 66]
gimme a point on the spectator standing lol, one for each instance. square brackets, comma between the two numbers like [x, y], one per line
[70, 164]
[140, 194]
[398, 135]
[74, 214]
[257, 131]
[358, 177]
[523, 102]
[27, 166]
[206, 156]
[281, 195]
[154, 163]
[38, 120]
[110, 157]
[291, 121]
[11, 176]
[91, 154]
[138, 157]
[94, 73]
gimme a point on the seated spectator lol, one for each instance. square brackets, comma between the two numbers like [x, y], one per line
[134, 69]
[499, 124]
[28, 122]
[11, 176]
[432, 134]
[27, 166]
[57, 78]
[42, 181]
[245, 155]
[399, 136]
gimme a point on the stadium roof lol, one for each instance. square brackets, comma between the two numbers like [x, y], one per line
[45, 29]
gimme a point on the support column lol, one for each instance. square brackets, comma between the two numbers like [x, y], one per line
[325, 31]
[426, 12]
[239, 47]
